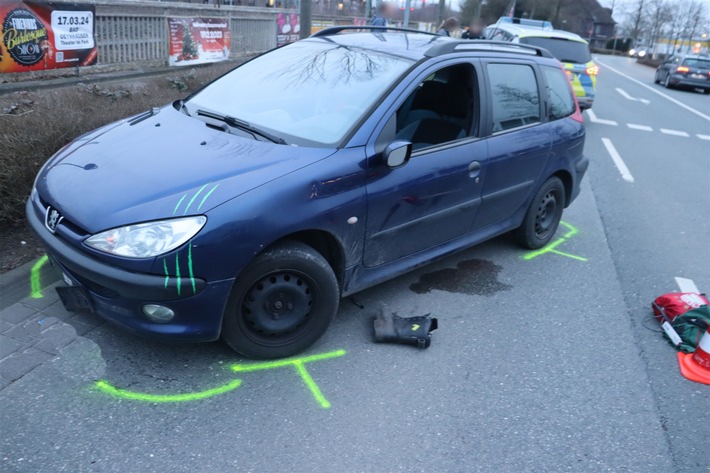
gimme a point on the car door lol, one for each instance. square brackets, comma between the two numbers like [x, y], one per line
[519, 142]
[435, 196]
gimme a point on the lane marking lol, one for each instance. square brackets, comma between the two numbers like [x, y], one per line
[633, 126]
[703, 137]
[593, 118]
[666, 131]
[634, 99]
[665, 96]
[686, 285]
[616, 157]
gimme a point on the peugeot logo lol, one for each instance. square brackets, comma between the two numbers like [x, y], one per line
[52, 219]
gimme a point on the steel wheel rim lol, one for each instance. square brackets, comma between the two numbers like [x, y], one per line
[277, 308]
[546, 215]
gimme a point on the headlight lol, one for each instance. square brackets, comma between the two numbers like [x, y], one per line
[144, 240]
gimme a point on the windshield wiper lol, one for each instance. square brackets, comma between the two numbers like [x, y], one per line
[242, 125]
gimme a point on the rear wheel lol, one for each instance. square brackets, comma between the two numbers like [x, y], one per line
[281, 303]
[543, 215]
[667, 82]
[656, 79]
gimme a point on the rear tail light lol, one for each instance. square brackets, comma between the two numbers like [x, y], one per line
[577, 115]
[592, 70]
[682, 69]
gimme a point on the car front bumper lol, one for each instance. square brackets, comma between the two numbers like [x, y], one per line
[119, 295]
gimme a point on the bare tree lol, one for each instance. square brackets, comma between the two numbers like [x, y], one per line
[661, 14]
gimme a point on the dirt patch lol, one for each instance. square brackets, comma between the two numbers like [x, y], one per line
[19, 246]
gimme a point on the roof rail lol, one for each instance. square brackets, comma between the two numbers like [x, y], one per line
[447, 47]
[333, 30]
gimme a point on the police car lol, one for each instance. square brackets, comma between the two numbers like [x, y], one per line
[569, 48]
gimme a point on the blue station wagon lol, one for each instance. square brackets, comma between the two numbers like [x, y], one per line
[311, 172]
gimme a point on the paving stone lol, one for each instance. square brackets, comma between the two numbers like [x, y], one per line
[57, 310]
[45, 322]
[20, 333]
[56, 337]
[19, 364]
[81, 326]
[5, 326]
[49, 297]
[17, 313]
[8, 345]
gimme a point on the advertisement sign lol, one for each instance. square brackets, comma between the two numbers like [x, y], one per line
[198, 40]
[38, 35]
[288, 28]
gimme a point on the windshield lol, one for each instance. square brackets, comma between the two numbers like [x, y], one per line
[699, 63]
[564, 50]
[308, 93]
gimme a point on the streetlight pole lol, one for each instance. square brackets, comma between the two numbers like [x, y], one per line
[305, 19]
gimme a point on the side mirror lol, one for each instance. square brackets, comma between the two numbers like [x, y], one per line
[397, 154]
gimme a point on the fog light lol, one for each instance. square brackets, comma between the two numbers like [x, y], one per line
[158, 313]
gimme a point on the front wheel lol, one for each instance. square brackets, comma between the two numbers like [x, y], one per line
[656, 79]
[281, 303]
[543, 215]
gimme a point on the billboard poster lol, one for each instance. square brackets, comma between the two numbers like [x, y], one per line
[288, 28]
[37, 35]
[198, 40]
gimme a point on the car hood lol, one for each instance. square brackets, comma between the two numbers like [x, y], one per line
[160, 165]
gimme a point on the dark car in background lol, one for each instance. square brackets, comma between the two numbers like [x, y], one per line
[685, 70]
[316, 170]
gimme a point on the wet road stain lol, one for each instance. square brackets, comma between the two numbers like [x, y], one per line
[473, 277]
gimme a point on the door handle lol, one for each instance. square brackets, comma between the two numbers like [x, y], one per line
[474, 169]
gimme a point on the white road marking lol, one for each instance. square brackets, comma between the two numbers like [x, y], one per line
[634, 99]
[665, 96]
[703, 137]
[593, 118]
[620, 164]
[666, 131]
[686, 285]
[639, 127]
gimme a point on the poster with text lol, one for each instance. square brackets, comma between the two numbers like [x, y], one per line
[198, 40]
[39, 35]
[288, 28]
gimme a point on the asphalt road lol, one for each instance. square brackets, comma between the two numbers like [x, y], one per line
[541, 363]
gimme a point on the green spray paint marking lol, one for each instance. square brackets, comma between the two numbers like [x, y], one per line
[552, 247]
[178, 204]
[299, 364]
[167, 275]
[177, 271]
[34, 277]
[193, 198]
[107, 388]
[207, 195]
[189, 268]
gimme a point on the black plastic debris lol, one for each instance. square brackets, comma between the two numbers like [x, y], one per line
[391, 328]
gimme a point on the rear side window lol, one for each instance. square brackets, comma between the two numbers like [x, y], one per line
[558, 92]
[564, 50]
[515, 97]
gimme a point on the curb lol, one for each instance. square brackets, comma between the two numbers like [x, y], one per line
[16, 284]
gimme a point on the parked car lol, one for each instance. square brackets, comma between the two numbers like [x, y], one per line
[685, 70]
[572, 51]
[316, 170]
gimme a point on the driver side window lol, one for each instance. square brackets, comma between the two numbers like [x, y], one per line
[440, 109]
